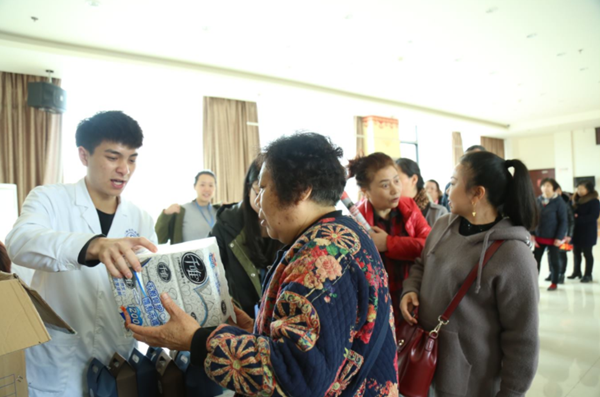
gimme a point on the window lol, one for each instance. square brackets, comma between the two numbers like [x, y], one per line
[409, 144]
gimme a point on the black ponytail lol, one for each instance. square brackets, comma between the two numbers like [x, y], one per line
[520, 205]
[410, 168]
[511, 195]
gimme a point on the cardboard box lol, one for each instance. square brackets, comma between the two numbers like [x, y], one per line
[23, 313]
[191, 273]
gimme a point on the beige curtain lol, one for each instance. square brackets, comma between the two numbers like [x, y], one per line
[30, 139]
[231, 143]
[361, 144]
[493, 145]
[457, 147]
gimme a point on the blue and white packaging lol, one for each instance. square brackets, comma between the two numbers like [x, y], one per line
[191, 273]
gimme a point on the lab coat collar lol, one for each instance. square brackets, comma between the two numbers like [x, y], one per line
[88, 211]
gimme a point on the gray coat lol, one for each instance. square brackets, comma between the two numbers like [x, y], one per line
[491, 345]
[434, 212]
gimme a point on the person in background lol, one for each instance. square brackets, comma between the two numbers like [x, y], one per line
[413, 187]
[444, 199]
[245, 246]
[193, 220]
[551, 229]
[585, 236]
[433, 189]
[562, 254]
[490, 346]
[72, 234]
[324, 327]
[4, 259]
[399, 228]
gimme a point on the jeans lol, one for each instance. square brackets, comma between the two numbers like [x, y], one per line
[553, 260]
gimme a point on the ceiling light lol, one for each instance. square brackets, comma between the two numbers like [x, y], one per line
[531, 36]
[491, 10]
[34, 19]
[561, 54]
[93, 3]
[400, 59]
[583, 69]
[457, 60]
[348, 16]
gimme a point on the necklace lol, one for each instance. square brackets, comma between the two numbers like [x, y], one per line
[210, 223]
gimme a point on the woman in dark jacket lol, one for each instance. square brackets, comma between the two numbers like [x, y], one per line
[562, 253]
[585, 236]
[551, 230]
[245, 246]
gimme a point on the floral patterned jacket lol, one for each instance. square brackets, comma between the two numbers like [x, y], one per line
[324, 306]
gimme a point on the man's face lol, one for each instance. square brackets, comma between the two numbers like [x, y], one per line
[110, 167]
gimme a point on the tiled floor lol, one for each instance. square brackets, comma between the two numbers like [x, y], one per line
[570, 337]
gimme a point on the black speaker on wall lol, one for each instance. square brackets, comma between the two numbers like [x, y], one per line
[597, 135]
[46, 97]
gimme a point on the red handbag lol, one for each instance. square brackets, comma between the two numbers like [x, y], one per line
[418, 349]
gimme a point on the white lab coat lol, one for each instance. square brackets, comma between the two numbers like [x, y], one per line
[55, 223]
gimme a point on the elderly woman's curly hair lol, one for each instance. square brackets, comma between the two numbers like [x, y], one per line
[303, 161]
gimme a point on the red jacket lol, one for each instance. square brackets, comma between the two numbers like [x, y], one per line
[402, 248]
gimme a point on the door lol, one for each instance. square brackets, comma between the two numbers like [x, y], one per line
[537, 176]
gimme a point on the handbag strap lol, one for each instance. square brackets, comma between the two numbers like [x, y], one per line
[467, 284]
[373, 355]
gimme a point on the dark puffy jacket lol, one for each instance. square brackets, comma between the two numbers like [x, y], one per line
[553, 219]
[587, 210]
[570, 215]
[243, 276]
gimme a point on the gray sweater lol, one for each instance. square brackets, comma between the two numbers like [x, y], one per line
[491, 345]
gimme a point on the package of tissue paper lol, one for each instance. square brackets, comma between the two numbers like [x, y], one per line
[191, 273]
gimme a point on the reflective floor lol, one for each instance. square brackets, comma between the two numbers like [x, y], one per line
[570, 337]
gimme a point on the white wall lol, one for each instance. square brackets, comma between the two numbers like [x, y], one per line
[571, 153]
[167, 102]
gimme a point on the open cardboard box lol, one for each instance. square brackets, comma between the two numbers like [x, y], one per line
[24, 316]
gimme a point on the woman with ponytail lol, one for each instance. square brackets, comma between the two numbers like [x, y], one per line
[413, 187]
[490, 346]
[399, 228]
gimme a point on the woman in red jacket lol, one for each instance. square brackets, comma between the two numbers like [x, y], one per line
[399, 228]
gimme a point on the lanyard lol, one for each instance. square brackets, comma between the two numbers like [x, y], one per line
[209, 209]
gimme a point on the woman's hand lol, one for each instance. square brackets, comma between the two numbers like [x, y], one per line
[535, 244]
[177, 334]
[244, 321]
[557, 242]
[407, 305]
[379, 237]
[173, 209]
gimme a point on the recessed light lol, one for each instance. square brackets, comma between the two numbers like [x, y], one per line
[400, 59]
[493, 73]
[34, 19]
[583, 69]
[409, 42]
[93, 3]
[491, 10]
[531, 35]
[349, 16]
[205, 28]
[561, 54]
[457, 60]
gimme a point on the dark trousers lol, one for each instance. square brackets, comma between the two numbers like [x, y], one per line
[589, 260]
[562, 255]
[553, 260]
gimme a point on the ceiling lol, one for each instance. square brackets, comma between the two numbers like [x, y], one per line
[505, 61]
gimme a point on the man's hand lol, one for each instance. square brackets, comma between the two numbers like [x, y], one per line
[379, 237]
[177, 334]
[557, 242]
[116, 252]
[173, 209]
[408, 304]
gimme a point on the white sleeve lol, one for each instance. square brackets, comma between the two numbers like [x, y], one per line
[34, 243]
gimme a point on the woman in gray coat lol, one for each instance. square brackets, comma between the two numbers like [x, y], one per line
[490, 346]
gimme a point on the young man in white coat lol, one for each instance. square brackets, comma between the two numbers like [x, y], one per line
[71, 235]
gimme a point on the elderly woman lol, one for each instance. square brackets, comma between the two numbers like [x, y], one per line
[325, 325]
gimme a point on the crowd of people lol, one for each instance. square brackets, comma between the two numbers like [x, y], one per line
[318, 298]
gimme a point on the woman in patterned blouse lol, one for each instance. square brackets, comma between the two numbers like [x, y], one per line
[325, 325]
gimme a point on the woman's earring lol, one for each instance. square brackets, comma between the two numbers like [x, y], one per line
[474, 212]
